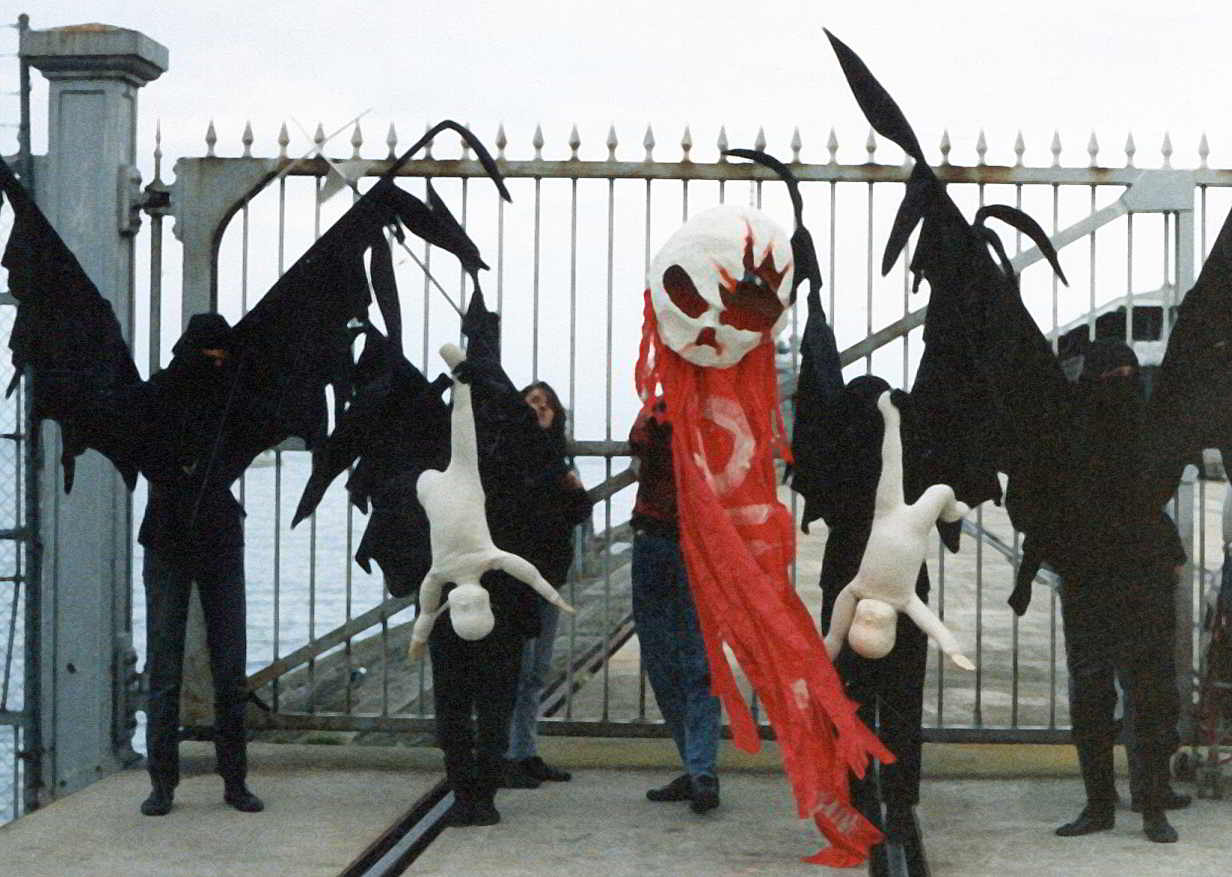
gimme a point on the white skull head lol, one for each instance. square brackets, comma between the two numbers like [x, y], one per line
[721, 285]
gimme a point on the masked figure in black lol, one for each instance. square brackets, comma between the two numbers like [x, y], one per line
[192, 532]
[1119, 578]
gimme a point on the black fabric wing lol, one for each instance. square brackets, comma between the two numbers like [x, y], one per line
[989, 391]
[1190, 408]
[67, 335]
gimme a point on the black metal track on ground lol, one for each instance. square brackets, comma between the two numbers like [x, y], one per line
[403, 842]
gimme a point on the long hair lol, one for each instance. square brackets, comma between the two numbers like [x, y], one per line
[560, 418]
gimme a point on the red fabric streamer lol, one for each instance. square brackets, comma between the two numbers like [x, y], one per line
[738, 541]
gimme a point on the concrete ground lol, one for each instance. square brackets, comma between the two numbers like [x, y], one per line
[986, 810]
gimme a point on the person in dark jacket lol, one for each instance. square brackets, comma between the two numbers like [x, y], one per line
[673, 649]
[557, 503]
[193, 532]
[1119, 579]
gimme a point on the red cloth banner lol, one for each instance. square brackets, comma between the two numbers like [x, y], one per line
[738, 541]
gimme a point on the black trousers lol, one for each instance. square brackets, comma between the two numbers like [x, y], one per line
[1118, 629]
[890, 692]
[474, 685]
[168, 587]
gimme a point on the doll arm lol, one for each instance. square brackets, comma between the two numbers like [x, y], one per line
[840, 620]
[429, 610]
[928, 622]
[524, 571]
[939, 503]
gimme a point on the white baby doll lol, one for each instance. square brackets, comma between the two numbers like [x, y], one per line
[866, 610]
[462, 547]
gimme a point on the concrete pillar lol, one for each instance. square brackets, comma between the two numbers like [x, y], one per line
[87, 185]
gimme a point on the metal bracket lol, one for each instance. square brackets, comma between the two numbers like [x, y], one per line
[1160, 191]
[128, 200]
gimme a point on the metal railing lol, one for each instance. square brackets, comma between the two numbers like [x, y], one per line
[568, 263]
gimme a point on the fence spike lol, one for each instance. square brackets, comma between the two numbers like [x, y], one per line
[759, 142]
[796, 144]
[536, 141]
[575, 141]
[648, 141]
[1204, 150]
[210, 139]
[391, 141]
[686, 143]
[1166, 150]
[318, 136]
[501, 141]
[1055, 148]
[832, 146]
[246, 139]
[1130, 149]
[612, 142]
[945, 146]
[1020, 147]
[427, 146]
[1093, 149]
[722, 143]
[981, 147]
[284, 139]
[466, 147]
[357, 140]
[158, 149]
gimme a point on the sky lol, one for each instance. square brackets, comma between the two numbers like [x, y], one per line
[1111, 67]
[1075, 68]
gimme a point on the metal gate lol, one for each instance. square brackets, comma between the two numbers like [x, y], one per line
[569, 258]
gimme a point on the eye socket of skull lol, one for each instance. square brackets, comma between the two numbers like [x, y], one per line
[721, 285]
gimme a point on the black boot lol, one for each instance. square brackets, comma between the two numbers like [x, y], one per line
[160, 799]
[679, 789]
[484, 811]
[462, 813]
[1099, 780]
[515, 776]
[238, 796]
[705, 793]
[1093, 818]
[1157, 828]
[540, 770]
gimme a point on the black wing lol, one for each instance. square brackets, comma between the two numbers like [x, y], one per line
[989, 394]
[297, 340]
[66, 334]
[1190, 407]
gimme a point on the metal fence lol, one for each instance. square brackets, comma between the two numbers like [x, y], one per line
[18, 508]
[568, 259]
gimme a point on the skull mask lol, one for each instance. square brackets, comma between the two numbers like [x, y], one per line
[721, 285]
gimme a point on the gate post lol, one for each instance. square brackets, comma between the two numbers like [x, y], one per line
[87, 185]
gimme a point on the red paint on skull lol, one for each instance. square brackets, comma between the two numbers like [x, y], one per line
[752, 301]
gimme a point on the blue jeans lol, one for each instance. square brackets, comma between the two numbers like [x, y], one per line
[536, 661]
[673, 651]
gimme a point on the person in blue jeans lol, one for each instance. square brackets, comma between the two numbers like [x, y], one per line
[673, 650]
[554, 503]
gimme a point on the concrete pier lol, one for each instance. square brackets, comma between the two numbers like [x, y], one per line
[986, 809]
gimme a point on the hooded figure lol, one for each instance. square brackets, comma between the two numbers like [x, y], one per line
[192, 532]
[1118, 570]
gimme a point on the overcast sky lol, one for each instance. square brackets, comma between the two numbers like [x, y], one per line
[1075, 66]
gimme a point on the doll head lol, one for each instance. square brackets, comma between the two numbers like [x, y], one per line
[873, 629]
[470, 611]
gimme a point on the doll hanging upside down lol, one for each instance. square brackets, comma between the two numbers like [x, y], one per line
[462, 547]
[866, 610]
